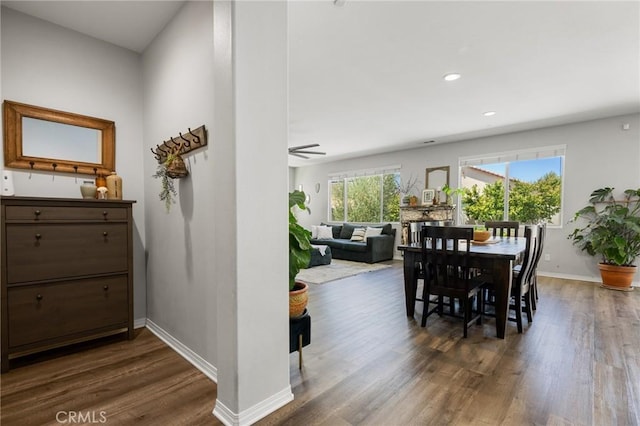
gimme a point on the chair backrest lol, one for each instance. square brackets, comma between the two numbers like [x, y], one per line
[503, 228]
[542, 232]
[528, 258]
[445, 257]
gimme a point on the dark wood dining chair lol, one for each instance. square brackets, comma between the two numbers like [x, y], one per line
[521, 279]
[445, 256]
[503, 228]
[533, 278]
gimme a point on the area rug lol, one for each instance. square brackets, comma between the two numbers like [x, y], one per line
[336, 270]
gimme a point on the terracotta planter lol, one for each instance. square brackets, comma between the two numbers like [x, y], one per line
[617, 277]
[298, 298]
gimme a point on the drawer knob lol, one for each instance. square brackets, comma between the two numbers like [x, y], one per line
[104, 213]
[39, 297]
[38, 236]
[105, 288]
[37, 212]
[105, 233]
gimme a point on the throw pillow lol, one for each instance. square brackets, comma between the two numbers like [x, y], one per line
[371, 232]
[324, 233]
[335, 228]
[314, 231]
[347, 231]
[358, 234]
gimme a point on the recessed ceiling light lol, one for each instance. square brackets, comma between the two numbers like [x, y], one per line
[489, 113]
[451, 76]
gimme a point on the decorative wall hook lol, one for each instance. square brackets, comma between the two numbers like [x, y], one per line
[181, 144]
[187, 143]
[196, 137]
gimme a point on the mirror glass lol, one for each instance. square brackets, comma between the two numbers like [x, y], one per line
[39, 138]
[80, 143]
[436, 177]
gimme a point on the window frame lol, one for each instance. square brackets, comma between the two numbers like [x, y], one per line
[509, 157]
[344, 177]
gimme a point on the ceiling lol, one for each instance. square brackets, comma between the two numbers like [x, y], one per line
[366, 76]
[129, 24]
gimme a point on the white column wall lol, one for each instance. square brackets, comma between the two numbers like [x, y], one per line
[257, 381]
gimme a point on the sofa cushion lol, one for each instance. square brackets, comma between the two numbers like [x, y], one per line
[386, 229]
[334, 228]
[324, 232]
[349, 245]
[372, 232]
[358, 234]
[347, 231]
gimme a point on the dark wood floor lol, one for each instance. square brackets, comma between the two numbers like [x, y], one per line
[577, 364]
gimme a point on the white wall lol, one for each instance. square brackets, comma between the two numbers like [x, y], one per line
[177, 76]
[599, 153]
[253, 377]
[47, 65]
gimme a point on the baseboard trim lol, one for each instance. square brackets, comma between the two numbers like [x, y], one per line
[200, 363]
[578, 277]
[139, 323]
[255, 413]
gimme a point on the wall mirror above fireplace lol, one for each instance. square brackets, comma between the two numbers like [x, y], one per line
[436, 177]
[39, 138]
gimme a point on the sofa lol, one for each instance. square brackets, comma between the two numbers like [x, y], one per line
[347, 246]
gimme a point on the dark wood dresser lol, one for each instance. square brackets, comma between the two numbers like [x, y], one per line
[67, 272]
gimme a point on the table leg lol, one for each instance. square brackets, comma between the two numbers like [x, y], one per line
[502, 274]
[410, 281]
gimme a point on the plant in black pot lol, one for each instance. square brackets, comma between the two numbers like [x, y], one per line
[612, 231]
[299, 255]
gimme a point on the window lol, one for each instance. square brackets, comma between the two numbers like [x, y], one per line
[525, 186]
[373, 197]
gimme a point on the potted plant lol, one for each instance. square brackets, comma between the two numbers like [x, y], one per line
[612, 231]
[299, 255]
[450, 193]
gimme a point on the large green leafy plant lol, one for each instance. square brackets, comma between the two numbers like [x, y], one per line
[612, 227]
[299, 245]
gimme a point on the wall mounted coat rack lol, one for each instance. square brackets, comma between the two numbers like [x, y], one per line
[181, 144]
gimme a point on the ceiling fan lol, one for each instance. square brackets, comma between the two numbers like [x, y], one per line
[302, 149]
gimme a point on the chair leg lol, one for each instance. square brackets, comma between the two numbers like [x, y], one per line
[480, 306]
[425, 307]
[527, 305]
[518, 308]
[465, 306]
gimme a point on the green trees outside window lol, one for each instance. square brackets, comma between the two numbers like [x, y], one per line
[529, 200]
[372, 198]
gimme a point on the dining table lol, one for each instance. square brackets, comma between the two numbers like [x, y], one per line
[497, 257]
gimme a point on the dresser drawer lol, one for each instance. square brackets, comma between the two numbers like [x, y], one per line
[44, 213]
[48, 311]
[51, 251]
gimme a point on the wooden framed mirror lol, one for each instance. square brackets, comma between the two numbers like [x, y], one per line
[39, 138]
[436, 177]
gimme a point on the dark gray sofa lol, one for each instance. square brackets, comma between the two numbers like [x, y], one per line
[375, 249]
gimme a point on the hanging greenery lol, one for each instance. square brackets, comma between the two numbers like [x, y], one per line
[168, 192]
